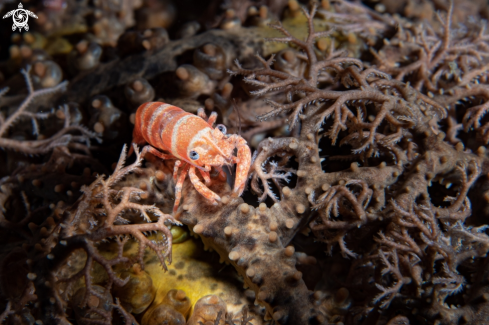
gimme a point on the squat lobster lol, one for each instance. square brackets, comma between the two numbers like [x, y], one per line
[194, 143]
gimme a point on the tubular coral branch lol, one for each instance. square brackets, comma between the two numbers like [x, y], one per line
[102, 192]
[264, 171]
[335, 193]
[32, 94]
[446, 63]
[60, 138]
[100, 201]
[351, 17]
[374, 114]
[391, 99]
[387, 294]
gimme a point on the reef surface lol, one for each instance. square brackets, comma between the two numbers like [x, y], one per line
[367, 194]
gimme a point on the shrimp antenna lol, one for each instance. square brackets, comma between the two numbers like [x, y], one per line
[239, 116]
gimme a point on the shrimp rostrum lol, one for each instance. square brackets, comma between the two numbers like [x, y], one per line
[172, 133]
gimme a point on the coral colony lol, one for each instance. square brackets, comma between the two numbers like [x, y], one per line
[335, 153]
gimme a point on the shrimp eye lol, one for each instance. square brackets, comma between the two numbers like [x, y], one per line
[193, 155]
[221, 128]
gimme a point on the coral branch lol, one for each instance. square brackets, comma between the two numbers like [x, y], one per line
[60, 138]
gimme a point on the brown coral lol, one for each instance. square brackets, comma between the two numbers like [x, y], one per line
[99, 214]
[41, 144]
[402, 222]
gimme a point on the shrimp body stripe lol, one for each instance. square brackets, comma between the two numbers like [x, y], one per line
[185, 131]
[151, 112]
[165, 124]
[171, 129]
[145, 130]
[160, 110]
[175, 140]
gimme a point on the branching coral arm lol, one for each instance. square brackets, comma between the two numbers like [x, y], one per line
[32, 94]
[61, 138]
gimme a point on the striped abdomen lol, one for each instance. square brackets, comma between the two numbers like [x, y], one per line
[167, 127]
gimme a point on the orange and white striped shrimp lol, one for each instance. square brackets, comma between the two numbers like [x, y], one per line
[195, 144]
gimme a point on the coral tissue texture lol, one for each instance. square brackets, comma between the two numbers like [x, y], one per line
[367, 197]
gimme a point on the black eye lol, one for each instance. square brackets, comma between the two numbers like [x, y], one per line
[221, 128]
[193, 155]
